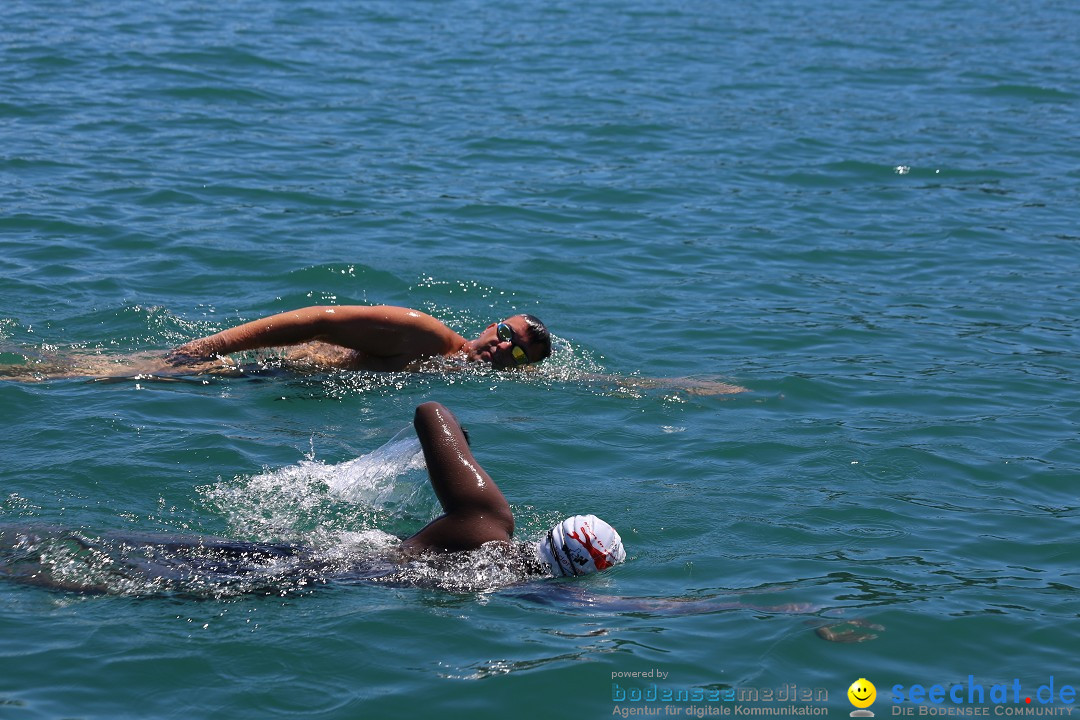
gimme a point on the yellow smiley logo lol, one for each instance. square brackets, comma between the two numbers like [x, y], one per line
[862, 693]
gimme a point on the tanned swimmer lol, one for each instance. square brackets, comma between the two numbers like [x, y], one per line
[379, 338]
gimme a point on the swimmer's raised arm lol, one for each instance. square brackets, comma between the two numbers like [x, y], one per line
[475, 510]
[382, 331]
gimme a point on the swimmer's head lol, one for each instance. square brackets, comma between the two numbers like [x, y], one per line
[580, 545]
[517, 341]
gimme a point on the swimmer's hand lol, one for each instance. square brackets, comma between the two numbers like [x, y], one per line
[183, 357]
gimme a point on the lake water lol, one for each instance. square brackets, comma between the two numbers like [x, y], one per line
[863, 212]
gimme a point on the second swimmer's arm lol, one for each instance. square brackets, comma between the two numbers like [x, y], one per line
[475, 510]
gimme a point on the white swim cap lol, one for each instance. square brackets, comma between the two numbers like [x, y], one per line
[581, 545]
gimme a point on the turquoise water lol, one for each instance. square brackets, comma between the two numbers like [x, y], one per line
[862, 212]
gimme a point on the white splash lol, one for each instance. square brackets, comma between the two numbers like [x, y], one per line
[311, 500]
[371, 479]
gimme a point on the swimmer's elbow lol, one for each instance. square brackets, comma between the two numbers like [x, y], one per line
[424, 418]
[431, 414]
[425, 410]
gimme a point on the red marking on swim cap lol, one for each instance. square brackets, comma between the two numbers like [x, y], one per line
[598, 555]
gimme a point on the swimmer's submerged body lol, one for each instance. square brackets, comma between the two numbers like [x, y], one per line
[303, 361]
[146, 564]
[190, 566]
[477, 524]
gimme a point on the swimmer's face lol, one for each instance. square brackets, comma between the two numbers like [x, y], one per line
[506, 344]
[507, 334]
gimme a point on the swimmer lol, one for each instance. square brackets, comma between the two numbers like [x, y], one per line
[376, 338]
[379, 338]
[476, 517]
